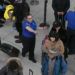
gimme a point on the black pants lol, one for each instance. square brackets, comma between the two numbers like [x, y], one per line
[65, 52]
[71, 41]
[19, 26]
[1, 14]
[28, 46]
[60, 18]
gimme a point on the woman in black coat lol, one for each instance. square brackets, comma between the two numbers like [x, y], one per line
[62, 35]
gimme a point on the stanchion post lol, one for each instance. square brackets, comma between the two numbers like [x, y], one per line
[44, 24]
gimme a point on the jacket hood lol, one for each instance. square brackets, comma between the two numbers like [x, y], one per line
[9, 7]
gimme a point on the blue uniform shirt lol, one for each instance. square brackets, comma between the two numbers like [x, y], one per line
[27, 33]
[70, 17]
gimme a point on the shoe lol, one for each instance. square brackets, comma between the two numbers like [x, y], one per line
[2, 21]
[1, 25]
[33, 60]
[16, 36]
[24, 54]
[18, 41]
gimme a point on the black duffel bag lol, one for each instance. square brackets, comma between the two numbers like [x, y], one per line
[10, 50]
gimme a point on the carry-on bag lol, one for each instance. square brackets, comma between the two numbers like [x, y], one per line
[10, 50]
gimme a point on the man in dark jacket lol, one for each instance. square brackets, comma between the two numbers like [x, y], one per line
[60, 8]
[21, 10]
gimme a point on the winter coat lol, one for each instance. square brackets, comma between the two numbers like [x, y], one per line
[63, 35]
[21, 10]
[58, 47]
[60, 5]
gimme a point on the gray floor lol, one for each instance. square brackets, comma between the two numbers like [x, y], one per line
[7, 34]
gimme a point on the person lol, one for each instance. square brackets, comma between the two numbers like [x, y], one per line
[13, 67]
[60, 8]
[53, 42]
[1, 12]
[21, 10]
[70, 18]
[63, 35]
[53, 48]
[8, 14]
[29, 31]
[1, 8]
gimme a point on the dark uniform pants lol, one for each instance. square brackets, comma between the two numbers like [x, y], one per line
[28, 46]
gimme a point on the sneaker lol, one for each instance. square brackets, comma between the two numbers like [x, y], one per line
[33, 60]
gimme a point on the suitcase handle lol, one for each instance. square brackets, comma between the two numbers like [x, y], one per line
[30, 72]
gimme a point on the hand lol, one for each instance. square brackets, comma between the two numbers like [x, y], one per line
[52, 52]
[35, 32]
[60, 13]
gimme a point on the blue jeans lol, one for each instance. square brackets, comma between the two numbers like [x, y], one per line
[60, 66]
[45, 64]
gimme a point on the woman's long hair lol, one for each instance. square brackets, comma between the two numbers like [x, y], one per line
[54, 34]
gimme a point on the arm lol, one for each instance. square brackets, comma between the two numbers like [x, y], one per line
[44, 46]
[54, 5]
[61, 46]
[31, 30]
[65, 17]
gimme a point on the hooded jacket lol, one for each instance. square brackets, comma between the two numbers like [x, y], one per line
[7, 9]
